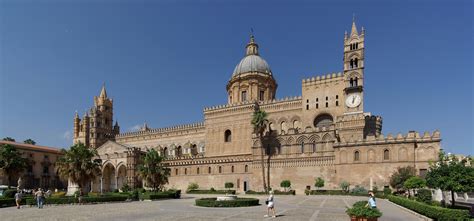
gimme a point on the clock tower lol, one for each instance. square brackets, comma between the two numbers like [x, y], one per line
[354, 70]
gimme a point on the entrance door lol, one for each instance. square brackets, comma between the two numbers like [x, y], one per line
[245, 186]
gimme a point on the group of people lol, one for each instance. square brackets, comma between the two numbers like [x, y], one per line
[39, 195]
[271, 203]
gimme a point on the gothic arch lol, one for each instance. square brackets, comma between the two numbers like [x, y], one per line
[301, 139]
[290, 141]
[256, 143]
[313, 138]
[327, 137]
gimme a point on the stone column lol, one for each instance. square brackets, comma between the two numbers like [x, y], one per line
[101, 184]
[116, 182]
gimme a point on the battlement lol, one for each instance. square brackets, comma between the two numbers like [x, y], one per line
[410, 137]
[322, 78]
[199, 125]
[244, 105]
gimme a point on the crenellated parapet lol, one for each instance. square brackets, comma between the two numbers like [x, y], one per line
[323, 79]
[246, 106]
[410, 137]
[201, 160]
[164, 130]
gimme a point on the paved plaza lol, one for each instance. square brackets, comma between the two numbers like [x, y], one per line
[288, 208]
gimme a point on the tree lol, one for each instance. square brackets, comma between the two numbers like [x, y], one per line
[399, 177]
[229, 185]
[319, 182]
[11, 162]
[285, 184]
[345, 186]
[259, 122]
[451, 174]
[9, 139]
[153, 171]
[79, 164]
[413, 183]
[29, 141]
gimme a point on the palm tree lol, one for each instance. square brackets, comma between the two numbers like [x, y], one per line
[11, 162]
[79, 164]
[153, 171]
[259, 122]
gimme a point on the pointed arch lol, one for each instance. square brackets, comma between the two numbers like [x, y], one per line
[290, 141]
[301, 139]
[327, 137]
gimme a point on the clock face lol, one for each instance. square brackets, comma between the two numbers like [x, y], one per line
[353, 100]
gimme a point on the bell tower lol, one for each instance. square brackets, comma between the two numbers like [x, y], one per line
[96, 127]
[354, 46]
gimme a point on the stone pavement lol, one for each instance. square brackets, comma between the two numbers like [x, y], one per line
[292, 208]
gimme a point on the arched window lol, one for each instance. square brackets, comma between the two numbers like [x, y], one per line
[314, 146]
[185, 171]
[232, 169]
[209, 170]
[357, 45]
[356, 156]
[351, 82]
[246, 168]
[356, 64]
[176, 172]
[355, 82]
[350, 46]
[220, 169]
[227, 136]
[197, 170]
[351, 63]
[386, 154]
[323, 120]
[179, 151]
[302, 147]
[165, 152]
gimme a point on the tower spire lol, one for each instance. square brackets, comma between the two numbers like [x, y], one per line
[103, 92]
[354, 27]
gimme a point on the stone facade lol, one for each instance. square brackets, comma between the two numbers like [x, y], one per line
[323, 133]
[40, 171]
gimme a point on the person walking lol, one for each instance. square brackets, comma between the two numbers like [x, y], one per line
[39, 198]
[270, 205]
[18, 197]
[371, 202]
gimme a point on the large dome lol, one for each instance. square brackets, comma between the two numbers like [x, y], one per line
[252, 63]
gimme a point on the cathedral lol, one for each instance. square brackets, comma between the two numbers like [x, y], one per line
[323, 133]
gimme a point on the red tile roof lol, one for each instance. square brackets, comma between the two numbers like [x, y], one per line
[23, 146]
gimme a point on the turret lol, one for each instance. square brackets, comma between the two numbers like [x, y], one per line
[77, 122]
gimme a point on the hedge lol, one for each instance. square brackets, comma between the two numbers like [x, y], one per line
[171, 194]
[85, 199]
[239, 202]
[7, 202]
[211, 191]
[276, 192]
[341, 192]
[434, 212]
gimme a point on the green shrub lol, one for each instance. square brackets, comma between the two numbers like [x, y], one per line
[359, 190]
[228, 185]
[192, 186]
[424, 195]
[211, 191]
[434, 212]
[116, 191]
[345, 186]
[319, 182]
[10, 193]
[359, 210]
[58, 194]
[276, 192]
[239, 202]
[134, 195]
[387, 191]
[126, 188]
[93, 194]
[285, 184]
[6, 202]
[170, 194]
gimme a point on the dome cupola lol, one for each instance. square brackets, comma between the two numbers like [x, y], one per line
[252, 79]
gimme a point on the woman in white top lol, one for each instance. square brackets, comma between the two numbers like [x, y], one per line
[270, 205]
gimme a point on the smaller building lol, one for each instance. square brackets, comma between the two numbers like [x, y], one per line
[40, 171]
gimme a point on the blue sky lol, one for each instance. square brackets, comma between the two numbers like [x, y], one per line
[164, 61]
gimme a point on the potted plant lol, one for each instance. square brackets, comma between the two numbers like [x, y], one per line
[360, 212]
